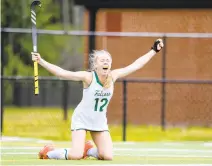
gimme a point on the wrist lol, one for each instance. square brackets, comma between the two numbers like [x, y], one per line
[41, 61]
[153, 51]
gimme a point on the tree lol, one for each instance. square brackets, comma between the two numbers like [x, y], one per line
[17, 47]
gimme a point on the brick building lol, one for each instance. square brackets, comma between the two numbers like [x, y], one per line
[187, 58]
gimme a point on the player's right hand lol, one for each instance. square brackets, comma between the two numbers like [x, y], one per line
[36, 57]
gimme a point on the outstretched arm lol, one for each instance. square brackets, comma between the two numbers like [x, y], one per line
[139, 63]
[58, 71]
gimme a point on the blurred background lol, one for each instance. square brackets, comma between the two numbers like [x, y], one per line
[169, 99]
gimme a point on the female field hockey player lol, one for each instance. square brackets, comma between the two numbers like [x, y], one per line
[90, 114]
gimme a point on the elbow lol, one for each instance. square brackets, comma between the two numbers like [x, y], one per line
[59, 74]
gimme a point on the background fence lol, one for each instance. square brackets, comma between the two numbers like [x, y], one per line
[174, 89]
[148, 101]
[189, 109]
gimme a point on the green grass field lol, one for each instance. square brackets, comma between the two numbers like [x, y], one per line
[27, 130]
[48, 123]
[24, 152]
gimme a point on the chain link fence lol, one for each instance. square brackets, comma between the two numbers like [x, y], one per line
[174, 89]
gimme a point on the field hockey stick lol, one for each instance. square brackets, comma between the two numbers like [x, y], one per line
[34, 41]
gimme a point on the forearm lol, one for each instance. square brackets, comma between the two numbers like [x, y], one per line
[51, 68]
[140, 62]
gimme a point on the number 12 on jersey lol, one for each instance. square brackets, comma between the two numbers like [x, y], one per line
[100, 104]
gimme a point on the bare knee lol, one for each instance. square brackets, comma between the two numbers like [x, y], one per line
[108, 157]
[104, 156]
[75, 156]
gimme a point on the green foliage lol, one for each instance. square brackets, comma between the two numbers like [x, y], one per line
[48, 123]
[18, 47]
[16, 63]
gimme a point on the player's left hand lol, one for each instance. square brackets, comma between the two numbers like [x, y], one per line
[158, 45]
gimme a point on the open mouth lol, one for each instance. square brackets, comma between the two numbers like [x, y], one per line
[105, 67]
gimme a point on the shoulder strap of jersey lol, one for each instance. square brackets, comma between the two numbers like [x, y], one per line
[97, 78]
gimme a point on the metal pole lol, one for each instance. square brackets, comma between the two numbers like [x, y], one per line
[65, 99]
[66, 18]
[2, 82]
[163, 89]
[45, 86]
[29, 99]
[92, 28]
[124, 110]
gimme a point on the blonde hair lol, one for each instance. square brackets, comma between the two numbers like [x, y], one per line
[92, 60]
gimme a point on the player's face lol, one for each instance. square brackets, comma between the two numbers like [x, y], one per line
[103, 63]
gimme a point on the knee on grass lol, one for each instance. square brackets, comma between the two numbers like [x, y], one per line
[103, 156]
[75, 156]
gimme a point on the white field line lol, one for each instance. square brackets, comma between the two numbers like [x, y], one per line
[9, 138]
[131, 165]
[164, 155]
[173, 143]
[161, 150]
[20, 139]
[127, 143]
[124, 149]
[127, 154]
[209, 144]
[21, 148]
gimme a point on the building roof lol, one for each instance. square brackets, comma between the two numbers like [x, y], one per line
[145, 3]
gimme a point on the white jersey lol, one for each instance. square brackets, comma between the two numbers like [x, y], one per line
[90, 114]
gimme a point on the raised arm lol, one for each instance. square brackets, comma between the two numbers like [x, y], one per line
[58, 71]
[139, 63]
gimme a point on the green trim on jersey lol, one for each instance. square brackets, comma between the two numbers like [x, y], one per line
[89, 130]
[97, 79]
[66, 154]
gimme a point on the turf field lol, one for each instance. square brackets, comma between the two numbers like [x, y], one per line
[48, 123]
[16, 151]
